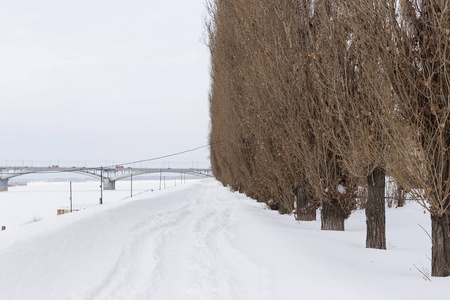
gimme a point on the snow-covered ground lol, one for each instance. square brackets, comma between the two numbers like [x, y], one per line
[41, 200]
[200, 241]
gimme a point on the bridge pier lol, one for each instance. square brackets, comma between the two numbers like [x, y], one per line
[109, 184]
[4, 185]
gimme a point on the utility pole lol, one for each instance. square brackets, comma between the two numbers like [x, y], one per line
[101, 185]
[131, 185]
[70, 196]
[160, 178]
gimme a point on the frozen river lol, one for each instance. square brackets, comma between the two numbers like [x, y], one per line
[41, 200]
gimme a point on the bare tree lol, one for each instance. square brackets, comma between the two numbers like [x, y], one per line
[322, 137]
[411, 43]
[355, 92]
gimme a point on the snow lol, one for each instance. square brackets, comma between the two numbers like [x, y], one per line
[21, 204]
[200, 241]
[341, 189]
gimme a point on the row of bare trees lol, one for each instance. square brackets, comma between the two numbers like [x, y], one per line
[311, 99]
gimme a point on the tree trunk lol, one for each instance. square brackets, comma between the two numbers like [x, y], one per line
[375, 210]
[282, 210]
[401, 196]
[306, 208]
[440, 209]
[332, 216]
[440, 251]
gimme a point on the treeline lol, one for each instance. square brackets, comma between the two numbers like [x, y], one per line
[312, 99]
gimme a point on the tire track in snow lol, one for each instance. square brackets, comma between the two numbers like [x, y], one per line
[207, 265]
[185, 254]
[138, 264]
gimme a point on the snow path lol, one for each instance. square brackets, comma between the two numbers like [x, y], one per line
[177, 249]
[183, 254]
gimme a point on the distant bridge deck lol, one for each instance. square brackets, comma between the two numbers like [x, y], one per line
[109, 175]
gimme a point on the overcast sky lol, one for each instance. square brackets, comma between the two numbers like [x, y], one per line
[103, 80]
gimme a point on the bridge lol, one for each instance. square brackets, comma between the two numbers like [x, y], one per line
[108, 175]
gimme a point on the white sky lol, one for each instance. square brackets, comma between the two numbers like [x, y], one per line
[103, 80]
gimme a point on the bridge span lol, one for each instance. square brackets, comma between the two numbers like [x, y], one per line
[108, 175]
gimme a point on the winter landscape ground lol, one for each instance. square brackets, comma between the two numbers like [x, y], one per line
[200, 241]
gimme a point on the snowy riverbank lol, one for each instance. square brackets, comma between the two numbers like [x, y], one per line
[200, 241]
